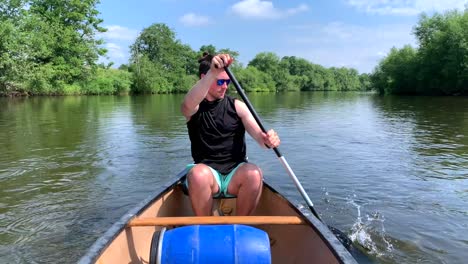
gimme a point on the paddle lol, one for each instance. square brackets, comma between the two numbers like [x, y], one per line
[340, 235]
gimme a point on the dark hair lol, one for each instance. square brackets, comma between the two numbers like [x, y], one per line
[205, 63]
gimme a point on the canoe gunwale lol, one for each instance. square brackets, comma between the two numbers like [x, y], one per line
[93, 253]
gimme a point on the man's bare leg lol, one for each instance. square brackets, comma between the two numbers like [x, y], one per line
[202, 185]
[246, 184]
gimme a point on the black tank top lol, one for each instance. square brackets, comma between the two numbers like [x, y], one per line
[217, 135]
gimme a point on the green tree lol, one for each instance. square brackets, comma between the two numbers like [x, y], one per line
[365, 82]
[64, 32]
[267, 62]
[149, 77]
[296, 66]
[443, 40]
[346, 79]
[254, 80]
[52, 42]
[108, 81]
[438, 66]
[157, 47]
[13, 55]
[213, 51]
[207, 48]
[398, 72]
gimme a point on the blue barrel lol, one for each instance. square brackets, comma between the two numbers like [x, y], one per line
[214, 244]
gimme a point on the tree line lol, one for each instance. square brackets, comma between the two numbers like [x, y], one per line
[52, 47]
[160, 63]
[439, 66]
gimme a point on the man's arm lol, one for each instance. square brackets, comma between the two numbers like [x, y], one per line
[269, 139]
[198, 92]
[195, 96]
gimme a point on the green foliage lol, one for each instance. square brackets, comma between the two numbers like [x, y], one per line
[267, 62]
[14, 65]
[149, 78]
[40, 81]
[288, 83]
[296, 66]
[65, 33]
[159, 45]
[293, 74]
[159, 61]
[108, 81]
[397, 72]
[48, 44]
[254, 80]
[438, 66]
[50, 47]
[212, 50]
[207, 48]
[346, 79]
[72, 89]
[162, 64]
[366, 83]
[184, 83]
[124, 67]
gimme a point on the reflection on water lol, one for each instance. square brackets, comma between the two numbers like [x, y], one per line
[439, 128]
[392, 172]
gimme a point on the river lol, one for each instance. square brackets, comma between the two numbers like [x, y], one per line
[391, 172]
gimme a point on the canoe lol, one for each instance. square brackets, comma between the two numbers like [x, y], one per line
[278, 229]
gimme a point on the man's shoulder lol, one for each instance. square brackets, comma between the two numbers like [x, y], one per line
[233, 99]
[230, 97]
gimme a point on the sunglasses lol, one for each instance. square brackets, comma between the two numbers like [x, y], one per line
[222, 81]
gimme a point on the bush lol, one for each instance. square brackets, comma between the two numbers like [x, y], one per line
[185, 83]
[253, 80]
[72, 89]
[149, 78]
[40, 81]
[108, 81]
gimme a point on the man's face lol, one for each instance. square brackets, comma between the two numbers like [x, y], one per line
[219, 87]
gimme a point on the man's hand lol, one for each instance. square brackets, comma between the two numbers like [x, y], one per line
[271, 139]
[219, 62]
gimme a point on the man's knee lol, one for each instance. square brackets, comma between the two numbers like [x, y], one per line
[200, 175]
[253, 174]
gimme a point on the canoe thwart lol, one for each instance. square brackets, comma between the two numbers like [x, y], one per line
[210, 220]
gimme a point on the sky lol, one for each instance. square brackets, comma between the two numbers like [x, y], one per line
[336, 33]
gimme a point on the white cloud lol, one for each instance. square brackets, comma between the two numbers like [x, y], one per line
[194, 20]
[115, 32]
[117, 42]
[264, 10]
[115, 54]
[115, 51]
[406, 7]
[337, 44]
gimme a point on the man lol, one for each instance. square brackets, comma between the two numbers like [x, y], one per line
[217, 124]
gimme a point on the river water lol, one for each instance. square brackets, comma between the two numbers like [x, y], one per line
[391, 172]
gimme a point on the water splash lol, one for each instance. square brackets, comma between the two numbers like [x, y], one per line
[370, 233]
[304, 209]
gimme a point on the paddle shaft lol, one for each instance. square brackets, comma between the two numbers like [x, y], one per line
[278, 153]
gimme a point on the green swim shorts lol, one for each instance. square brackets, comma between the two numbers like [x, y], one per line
[222, 180]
